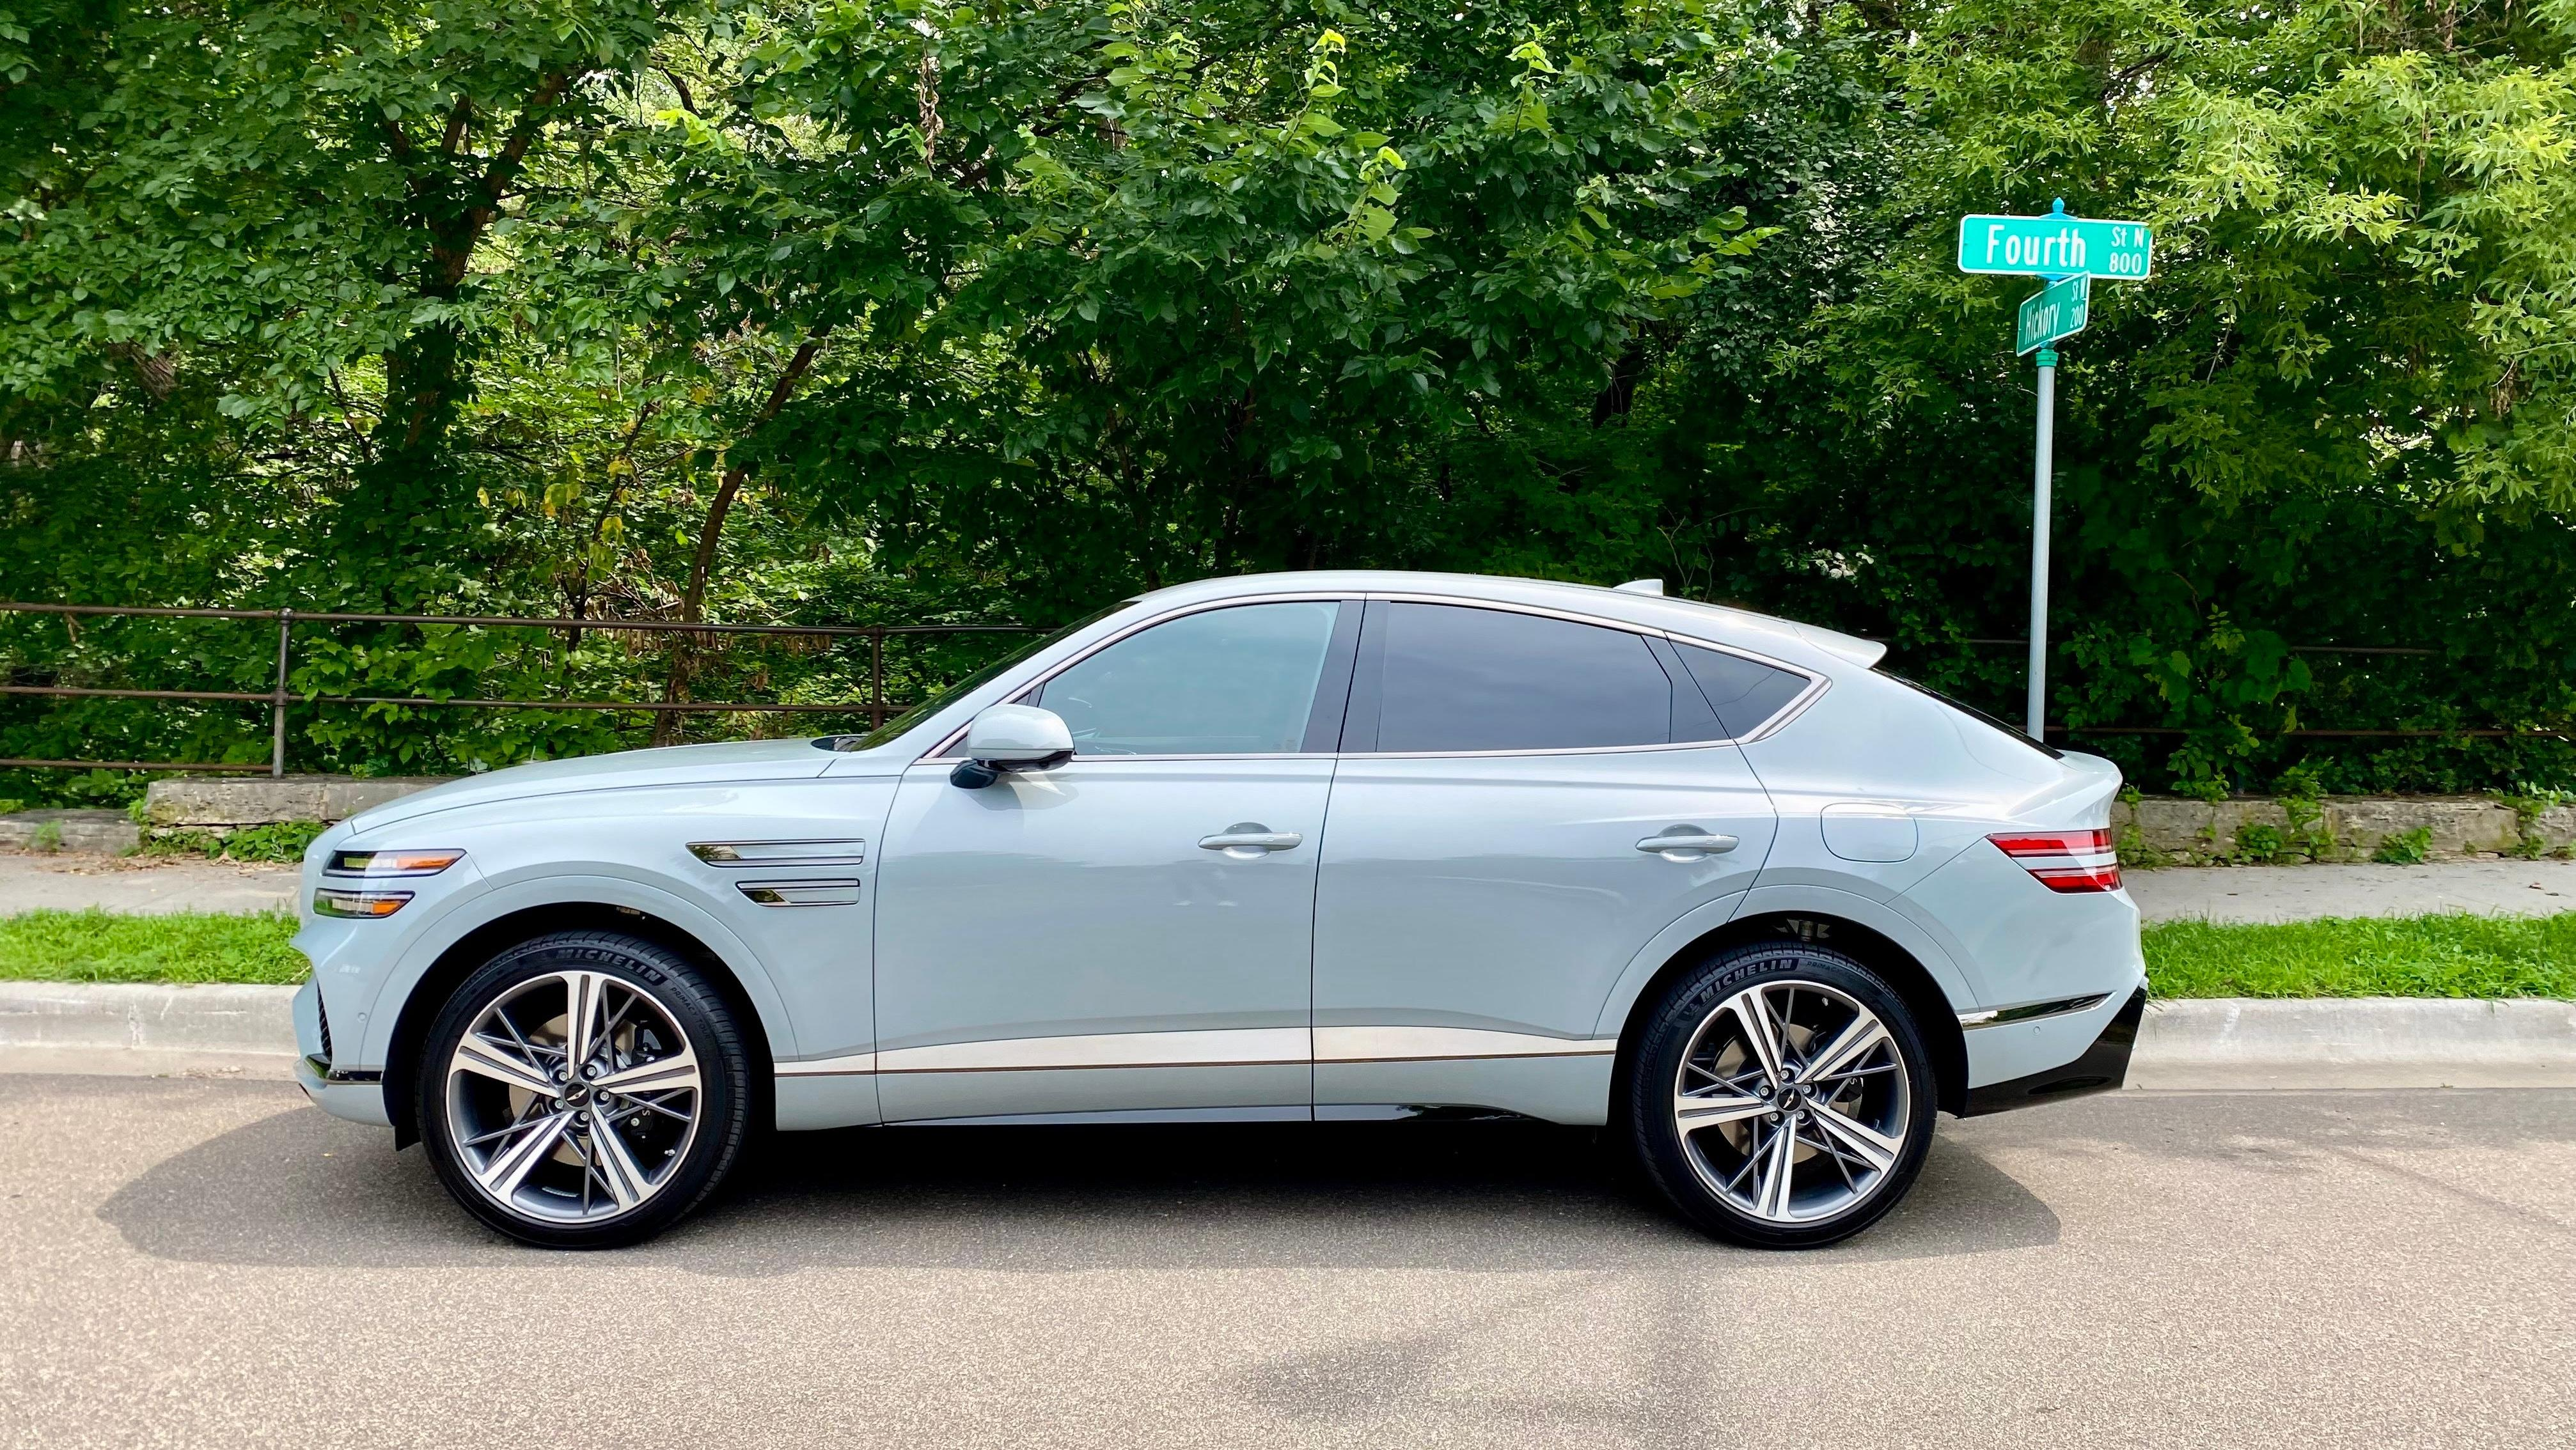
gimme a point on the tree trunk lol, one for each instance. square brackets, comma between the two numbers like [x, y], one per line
[693, 598]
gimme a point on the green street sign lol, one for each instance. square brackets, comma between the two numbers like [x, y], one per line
[2055, 245]
[2058, 310]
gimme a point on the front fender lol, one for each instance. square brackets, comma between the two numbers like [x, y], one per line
[596, 885]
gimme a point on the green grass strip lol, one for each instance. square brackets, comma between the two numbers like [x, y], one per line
[2402, 956]
[97, 946]
[2418, 956]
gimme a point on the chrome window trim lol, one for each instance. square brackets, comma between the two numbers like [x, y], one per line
[1779, 719]
[939, 753]
[1817, 684]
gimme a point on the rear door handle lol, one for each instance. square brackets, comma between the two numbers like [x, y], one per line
[1696, 843]
[1246, 839]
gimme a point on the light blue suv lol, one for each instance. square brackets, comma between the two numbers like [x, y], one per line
[1327, 847]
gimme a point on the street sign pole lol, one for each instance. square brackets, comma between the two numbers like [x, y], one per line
[2067, 252]
[2041, 467]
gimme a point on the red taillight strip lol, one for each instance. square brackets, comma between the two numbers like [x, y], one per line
[2064, 860]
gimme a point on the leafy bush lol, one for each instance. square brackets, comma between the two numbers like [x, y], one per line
[2405, 848]
[275, 841]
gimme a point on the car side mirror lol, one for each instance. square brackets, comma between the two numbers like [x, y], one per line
[1011, 737]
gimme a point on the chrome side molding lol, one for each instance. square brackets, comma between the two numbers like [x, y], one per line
[843, 892]
[780, 853]
[1996, 1016]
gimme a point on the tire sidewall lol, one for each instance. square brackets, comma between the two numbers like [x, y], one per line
[1657, 1066]
[703, 1017]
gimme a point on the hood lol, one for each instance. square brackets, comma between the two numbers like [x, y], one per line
[742, 760]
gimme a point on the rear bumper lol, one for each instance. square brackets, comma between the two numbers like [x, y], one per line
[2101, 1067]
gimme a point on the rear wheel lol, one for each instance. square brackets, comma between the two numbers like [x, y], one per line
[1781, 1096]
[584, 1090]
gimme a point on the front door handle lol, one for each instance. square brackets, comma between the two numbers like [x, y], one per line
[1684, 843]
[1246, 839]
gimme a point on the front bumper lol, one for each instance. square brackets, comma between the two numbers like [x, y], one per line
[357, 1096]
[2102, 1067]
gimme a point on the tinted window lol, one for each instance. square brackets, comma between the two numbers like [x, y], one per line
[1235, 681]
[1483, 679]
[1742, 692]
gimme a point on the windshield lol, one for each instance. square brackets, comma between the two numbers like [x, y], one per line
[893, 729]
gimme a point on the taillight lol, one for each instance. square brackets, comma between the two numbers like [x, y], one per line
[2064, 860]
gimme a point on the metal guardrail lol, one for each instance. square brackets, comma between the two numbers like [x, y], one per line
[279, 698]
[876, 708]
[2469, 733]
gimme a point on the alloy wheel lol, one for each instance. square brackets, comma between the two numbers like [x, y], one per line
[1792, 1102]
[573, 1097]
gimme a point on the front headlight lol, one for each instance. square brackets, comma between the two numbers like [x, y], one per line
[390, 863]
[356, 903]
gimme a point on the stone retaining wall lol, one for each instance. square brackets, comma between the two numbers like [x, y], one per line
[2160, 829]
[224, 804]
[102, 833]
[2155, 830]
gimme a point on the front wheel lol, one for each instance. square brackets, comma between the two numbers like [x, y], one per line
[584, 1090]
[1781, 1096]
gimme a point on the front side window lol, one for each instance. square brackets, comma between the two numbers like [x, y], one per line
[1452, 678]
[1235, 681]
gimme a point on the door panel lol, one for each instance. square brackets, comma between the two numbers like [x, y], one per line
[1060, 941]
[1476, 907]
[1508, 892]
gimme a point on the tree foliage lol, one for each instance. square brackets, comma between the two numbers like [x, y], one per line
[919, 310]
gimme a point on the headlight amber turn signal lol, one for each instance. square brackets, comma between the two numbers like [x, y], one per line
[358, 904]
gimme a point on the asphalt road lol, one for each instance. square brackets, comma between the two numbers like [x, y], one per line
[209, 1263]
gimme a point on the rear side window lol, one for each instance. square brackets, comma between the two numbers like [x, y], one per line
[1744, 693]
[1447, 678]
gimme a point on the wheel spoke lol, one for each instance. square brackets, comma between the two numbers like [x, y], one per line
[1694, 1111]
[616, 1166]
[1824, 1143]
[679, 1070]
[654, 1104]
[582, 1007]
[537, 1108]
[502, 1174]
[1759, 1036]
[482, 1055]
[1781, 1156]
[1864, 1142]
[1862, 1036]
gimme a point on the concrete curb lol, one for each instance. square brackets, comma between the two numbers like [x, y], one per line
[2215, 1042]
[152, 1017]
[2357, 1031]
